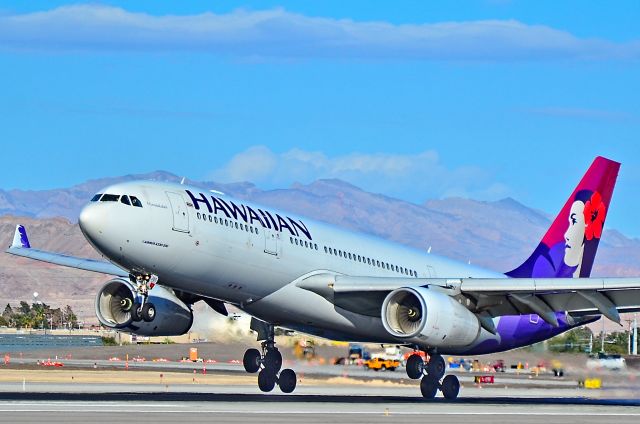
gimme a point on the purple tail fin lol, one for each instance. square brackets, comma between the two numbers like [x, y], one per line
[568, 249]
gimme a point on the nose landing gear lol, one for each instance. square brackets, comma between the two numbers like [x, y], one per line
[268, 362]
[432, 374]
[144, 310]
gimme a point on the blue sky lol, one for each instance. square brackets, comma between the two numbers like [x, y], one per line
[413, 99]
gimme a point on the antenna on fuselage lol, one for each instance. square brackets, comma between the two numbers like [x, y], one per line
[217, 192]
[429, 250]
[182, 180]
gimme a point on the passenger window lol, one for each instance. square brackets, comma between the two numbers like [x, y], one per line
[340, 253]
[236, 225]
[96, 197]
[306, 244]
[110, 198]
[198, 215]
[215, 219]
[135, 201]
[256, 231]
[296, 241]
[125, 200]
[210, 218]
[315, 245]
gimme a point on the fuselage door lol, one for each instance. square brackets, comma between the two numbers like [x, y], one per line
[180, 215]
[271, 242]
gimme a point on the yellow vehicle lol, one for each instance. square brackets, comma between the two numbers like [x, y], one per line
[378, 364]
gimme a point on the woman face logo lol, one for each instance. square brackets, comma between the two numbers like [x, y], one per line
[574, 236]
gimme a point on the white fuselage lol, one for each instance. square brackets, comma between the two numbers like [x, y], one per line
[252, 260]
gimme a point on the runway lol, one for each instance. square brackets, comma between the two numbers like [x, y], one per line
[242, 407]
[151, 392]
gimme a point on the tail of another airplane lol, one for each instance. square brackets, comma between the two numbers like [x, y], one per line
[568, 249]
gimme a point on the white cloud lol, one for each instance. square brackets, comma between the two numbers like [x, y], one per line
[285, 35]
[414, 177]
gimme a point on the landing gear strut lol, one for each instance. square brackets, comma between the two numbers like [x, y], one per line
[432, 374]
[268, 362]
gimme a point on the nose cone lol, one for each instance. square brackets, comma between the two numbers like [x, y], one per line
[90, 222]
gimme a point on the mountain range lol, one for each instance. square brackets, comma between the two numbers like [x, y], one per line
[497, 235]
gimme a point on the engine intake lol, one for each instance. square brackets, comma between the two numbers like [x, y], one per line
[114, 310]
[427, 316]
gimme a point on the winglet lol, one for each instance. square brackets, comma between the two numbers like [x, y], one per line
[20, 239]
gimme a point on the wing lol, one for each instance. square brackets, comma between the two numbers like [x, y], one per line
[490, 297]
[543, 296]
[22, 247]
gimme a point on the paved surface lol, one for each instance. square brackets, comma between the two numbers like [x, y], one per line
[242, 407]
[229, 395]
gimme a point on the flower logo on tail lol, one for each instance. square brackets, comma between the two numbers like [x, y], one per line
[594, 214]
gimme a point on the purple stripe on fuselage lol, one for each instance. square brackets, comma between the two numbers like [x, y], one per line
[515, 331]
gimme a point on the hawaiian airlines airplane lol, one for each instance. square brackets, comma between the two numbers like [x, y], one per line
[170, 245]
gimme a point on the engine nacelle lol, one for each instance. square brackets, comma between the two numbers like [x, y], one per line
[428, 317]
[113, 308]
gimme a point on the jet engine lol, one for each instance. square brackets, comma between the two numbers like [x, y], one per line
[114, 310]
[428, 317]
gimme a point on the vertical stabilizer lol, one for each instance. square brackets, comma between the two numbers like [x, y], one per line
[568, 249]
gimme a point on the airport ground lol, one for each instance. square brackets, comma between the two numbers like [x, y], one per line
[92, 388]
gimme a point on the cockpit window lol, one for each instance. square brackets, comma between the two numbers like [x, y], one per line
[135, 202]
[125, 200]
[110, 198]
[96, 197]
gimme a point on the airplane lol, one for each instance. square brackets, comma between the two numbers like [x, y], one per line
[170, 245]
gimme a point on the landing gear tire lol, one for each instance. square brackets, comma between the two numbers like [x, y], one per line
[450, 387]
[415, 366]
[148, 312]
[251, 361]
[136, 313]
[436, 367]
[287, 380]
[266, 380]
[273, 360]
[428, 387]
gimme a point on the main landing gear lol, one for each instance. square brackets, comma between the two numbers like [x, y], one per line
[144, 310]
[432, 374]
[267, 363]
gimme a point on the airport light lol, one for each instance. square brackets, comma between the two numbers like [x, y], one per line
[634, 351]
